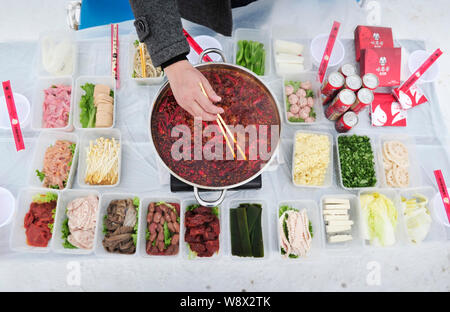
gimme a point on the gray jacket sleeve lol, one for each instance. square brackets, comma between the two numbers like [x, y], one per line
[158, 24]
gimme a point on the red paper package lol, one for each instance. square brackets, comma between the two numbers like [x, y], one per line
[413, 97]
[386, 63]
[372, 37]
[387, 112]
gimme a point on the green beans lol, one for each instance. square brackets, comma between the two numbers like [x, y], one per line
[251, 55]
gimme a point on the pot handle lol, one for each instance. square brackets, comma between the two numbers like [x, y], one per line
[206, 203]
[211, 50]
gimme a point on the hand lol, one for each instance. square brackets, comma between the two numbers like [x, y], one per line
[185, 83]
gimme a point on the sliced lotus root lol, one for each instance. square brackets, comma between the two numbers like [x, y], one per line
[396, 150]
[390, 178]
[401, 176]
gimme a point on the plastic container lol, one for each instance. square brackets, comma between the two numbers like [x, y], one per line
[205, 42]
[45, 140]
[184, 247]
[22, 108]
[8, 203]
[66, 197]
[38, 101]
[357, 240]
[439, 209]
[416, 59]
[78, 92]
[55, 38]
[141, 81]
[400, 235]
[318, 107]
[328, 181]
[376, 158]
[84, 145]
[415, 178]
[317, 49]
[106, 200]
[264, 225]
[143, 211]
[316, 221]
[437, 232]
[262, 36]
[18, 240]
[307, 60]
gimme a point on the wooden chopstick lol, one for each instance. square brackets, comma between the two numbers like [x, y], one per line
[142, 55]
[220, 120]
[226, 139]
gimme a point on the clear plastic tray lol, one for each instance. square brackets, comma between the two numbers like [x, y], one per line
[18, 240]
[38, 100]
[328, 181]
[318, 107]
[88, 136]
[57, 37]
[400, 235]
[264, 225]
[143, 211]
[66, 197]
[45, 139]
[374, 144]
[262, 36]
[184, 249]
[78, 92]
[142, 81]
[313, 215]
[437, 231]
[415, 178]
[357, 240]
[106, 200]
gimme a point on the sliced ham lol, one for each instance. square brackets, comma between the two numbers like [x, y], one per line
[56, 106]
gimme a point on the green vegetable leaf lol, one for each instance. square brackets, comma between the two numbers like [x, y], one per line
[136, 201]
[285, 208]
[72, 148]
[45, 198]
[136, 43]
[88, 109]
[167, 236]
[56, 187]
[134, 237]
[65, 234]
[309, 93]
[111, 93]
[41, 175]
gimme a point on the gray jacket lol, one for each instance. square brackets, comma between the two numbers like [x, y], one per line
[158, 23]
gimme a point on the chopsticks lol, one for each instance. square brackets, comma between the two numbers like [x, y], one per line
[223, 125]
[197, 48]
[142, 55]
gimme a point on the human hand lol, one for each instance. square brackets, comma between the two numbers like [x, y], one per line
[185, 83]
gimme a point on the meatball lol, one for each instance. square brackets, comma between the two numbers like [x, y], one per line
[301, 93]
[294, 109]
[307, 109]
[310, 102]
[307, 85]
[289, 90]
[303, 102]
[310, 119]
[293, 99]
[303, 114]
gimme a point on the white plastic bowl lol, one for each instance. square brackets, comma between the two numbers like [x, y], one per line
[22, 108]
[7, 204]
[416, 59]
[317, 49]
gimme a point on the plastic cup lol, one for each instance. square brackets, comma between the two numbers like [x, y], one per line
[317, 49]
[22, 107]
[7, 204]
[205, 42]
[416, 59]
[439, 209]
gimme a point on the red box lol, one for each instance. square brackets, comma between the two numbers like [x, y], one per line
[386, 111]
[372, 37]
[386, 63]
[413, 97]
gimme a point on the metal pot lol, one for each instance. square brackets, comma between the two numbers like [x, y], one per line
[222, 189]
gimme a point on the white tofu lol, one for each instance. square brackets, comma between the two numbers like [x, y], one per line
[339, 238]
[337, 229]
[329, 218]
[340, 222]
[335, 212]
[331, 200]
[337, 206]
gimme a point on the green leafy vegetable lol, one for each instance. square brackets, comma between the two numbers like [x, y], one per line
[357, 161]
[251, 54]
[136, 201]
[136, 43]
[105, 230]
[50, 225]
[88, 109]
[56, 187]
[45, 198]
[111, 93]
[167, 235]
[40, 175]
[72, 149]
[65, 234]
